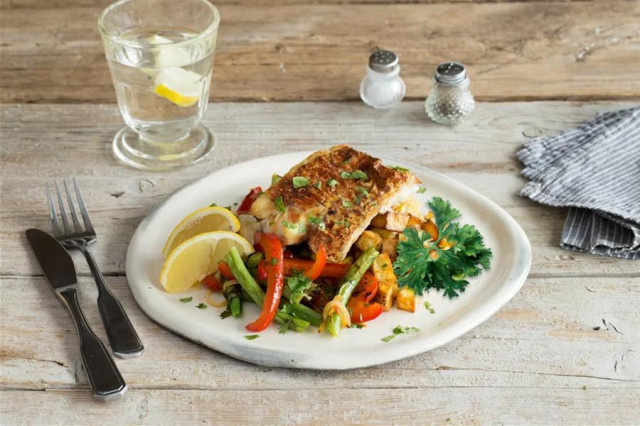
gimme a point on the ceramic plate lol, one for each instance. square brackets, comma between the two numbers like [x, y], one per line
[355, 347]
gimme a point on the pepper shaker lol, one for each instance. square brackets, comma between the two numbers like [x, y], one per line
[382, 88]
[450, 99]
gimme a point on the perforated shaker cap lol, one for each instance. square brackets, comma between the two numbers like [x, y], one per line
[451, 73]
[383, 61]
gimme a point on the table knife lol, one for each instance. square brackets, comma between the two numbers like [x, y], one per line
[105, 379]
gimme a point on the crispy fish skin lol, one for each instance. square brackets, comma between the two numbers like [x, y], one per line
[333, 216]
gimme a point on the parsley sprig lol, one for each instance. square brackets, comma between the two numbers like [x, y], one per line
[424, 263]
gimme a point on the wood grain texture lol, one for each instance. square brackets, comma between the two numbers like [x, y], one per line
[565, 349]
[48, 141]
[532, 349]
[514, 51]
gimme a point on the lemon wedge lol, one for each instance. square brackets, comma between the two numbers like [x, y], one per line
[206, 219]
[198, 257]
[179, 86]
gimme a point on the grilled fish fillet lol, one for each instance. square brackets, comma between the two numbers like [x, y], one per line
[337, 193]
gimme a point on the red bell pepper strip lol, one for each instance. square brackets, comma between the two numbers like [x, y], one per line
[212, 283]
[367, 288]
[225, 271]
[363, 311]
[245, 206]
[275, 282]
[318, 265]
[262, 271]
[330, 270]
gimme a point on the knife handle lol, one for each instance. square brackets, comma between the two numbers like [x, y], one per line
[105, 379]
[123, 338]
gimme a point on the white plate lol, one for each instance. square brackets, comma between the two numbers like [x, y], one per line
[355, 347]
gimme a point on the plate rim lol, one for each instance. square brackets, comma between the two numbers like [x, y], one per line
[510, 287]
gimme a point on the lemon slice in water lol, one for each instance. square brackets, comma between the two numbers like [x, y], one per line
[179, 86]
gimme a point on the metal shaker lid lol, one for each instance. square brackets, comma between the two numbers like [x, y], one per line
[451, 73]
[383, 61]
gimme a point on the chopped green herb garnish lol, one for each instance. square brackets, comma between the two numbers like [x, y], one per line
[273, 261]
[254, 259]
[289, 225]
[398, 329]
[284, 327]
[302, 228]
[251, 336]
[344, 222]
[332, 183]
[584, 387]
[275, 178]
[422, 190]
[300, 181]
[300, 287]
[279, 202]
[362, 191]
[315, 220]
[400, 169]
[347, 204]
[213, 205]
[358, 174]
[347, 160]
[384, 265]
[319, 184]
[201, 306]
[428, 307]
[357, 325]
[226, 313]
[228, 207]
[186, 299]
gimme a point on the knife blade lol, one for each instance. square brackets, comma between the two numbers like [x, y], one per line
[104, 377]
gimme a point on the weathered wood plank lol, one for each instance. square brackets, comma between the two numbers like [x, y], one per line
[59, 4]
[360, 406]
[556, 333]
[42, 142]
[541, 51]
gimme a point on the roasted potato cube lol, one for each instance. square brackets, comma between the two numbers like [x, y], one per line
[406, 299]
[369, 239]
[384, 233]
[387, 281]
[396, 221]
[379, 221]
[389, 247]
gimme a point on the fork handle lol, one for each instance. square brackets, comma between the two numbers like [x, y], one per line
[123, 338]
[105, 379]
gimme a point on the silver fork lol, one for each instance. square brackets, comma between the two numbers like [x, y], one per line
[122, 336]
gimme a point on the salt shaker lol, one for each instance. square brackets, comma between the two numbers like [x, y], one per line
[450, 99]
[382, 87]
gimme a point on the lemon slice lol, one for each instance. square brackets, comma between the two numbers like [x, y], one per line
[206, 219]
[198, 257]
[179, 86]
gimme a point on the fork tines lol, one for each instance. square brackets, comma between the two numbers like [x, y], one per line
[66, 229]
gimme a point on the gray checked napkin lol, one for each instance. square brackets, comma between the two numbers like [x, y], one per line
[595, 171]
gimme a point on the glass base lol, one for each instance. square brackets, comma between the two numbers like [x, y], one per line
[130, 149]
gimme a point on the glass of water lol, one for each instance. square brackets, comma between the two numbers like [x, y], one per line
[160, 54]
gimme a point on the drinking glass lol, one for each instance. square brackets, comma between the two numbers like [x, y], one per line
[160, 53]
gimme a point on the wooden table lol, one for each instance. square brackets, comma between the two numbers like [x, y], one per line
[564, 350]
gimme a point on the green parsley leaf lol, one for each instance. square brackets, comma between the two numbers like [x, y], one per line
[388, 338]
[422, 190]
[332, 183]
[279, 202]
[186, 299]
[344, 222]
[273, 261]
[423, 265]
[275, 178]
[347, 204]
[362, 191]
[347, 160]
[213, 205]
[300, 182]
[201, 306]
[302, 228]
[319, 184]
[226, 313]
[251, 336]
[428, 307]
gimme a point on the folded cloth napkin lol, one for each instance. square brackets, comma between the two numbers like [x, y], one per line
[595, 170]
